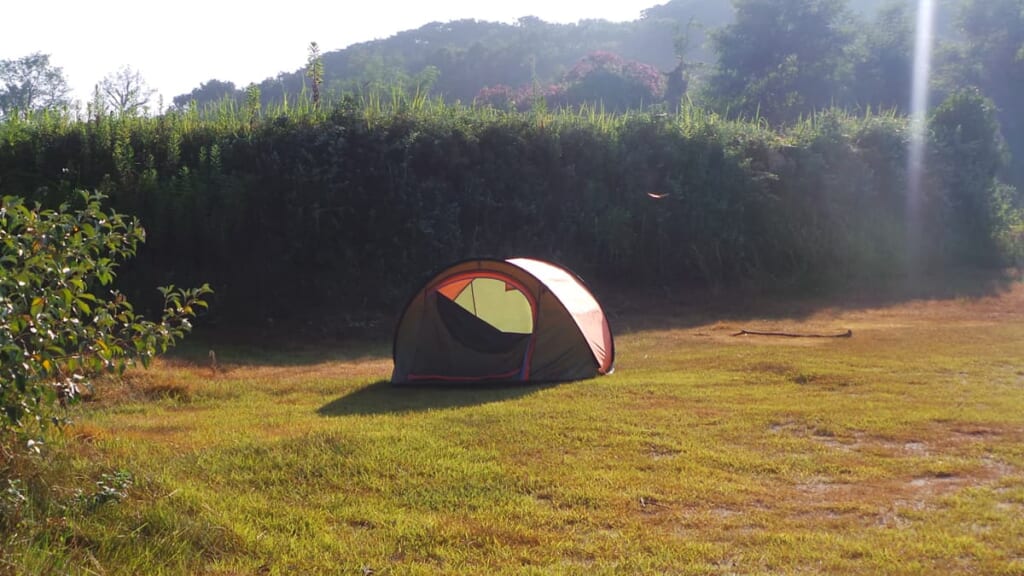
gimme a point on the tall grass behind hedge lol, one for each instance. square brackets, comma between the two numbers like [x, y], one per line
[352, 204]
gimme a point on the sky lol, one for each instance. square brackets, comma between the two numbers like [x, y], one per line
[178, 45]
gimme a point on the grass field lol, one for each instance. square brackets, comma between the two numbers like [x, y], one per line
[897, 451]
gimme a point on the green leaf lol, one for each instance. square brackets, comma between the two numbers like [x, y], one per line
[56, 350]
[83, 306]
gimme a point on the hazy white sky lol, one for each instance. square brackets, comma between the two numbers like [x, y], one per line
[177, 45]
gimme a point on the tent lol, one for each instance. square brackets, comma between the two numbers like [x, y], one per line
[502, 320]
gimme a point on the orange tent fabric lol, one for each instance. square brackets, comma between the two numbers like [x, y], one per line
[580, 304]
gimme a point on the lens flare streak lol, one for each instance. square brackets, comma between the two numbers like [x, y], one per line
[918, 125]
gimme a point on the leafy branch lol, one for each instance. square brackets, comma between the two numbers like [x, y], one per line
[56, 332]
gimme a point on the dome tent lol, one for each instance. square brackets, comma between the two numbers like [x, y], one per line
[502, 320]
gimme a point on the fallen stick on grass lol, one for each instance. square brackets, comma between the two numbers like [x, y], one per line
[847, 334]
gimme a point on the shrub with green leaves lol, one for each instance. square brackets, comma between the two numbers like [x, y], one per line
[348, 204]
[56, 329]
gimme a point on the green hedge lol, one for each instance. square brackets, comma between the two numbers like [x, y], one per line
[353, 205]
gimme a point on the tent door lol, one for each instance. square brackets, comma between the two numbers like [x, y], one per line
[478, 327]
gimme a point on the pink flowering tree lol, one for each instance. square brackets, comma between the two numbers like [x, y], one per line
[603, 78]
[523, 98]
[600, 79]
[498, 96]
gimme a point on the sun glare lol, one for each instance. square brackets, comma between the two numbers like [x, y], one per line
[918, 124]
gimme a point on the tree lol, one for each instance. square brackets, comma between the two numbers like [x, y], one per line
[677, 81]
[315, 70]
[126, 91]
[884, 63]
[969, 154]
[56, 330]
[782, 58]
[210, 91]
[994, 36]
[620, 85]
[600, 79]
[31, 83]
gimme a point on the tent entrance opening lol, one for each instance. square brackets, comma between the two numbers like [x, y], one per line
[487, 314]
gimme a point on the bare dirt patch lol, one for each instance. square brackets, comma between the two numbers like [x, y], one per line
[889, 498]
[881, 503]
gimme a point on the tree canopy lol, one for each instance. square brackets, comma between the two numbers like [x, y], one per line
[125, 91]
[32, 83]
[782, 58]
[992, 58]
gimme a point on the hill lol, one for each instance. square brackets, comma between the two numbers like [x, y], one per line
[455, 60]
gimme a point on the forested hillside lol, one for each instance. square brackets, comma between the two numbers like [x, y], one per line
[456, 60]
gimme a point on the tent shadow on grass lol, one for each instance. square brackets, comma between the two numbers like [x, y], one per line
[382, 397]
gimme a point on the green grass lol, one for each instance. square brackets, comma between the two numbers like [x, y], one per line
[898, 451]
